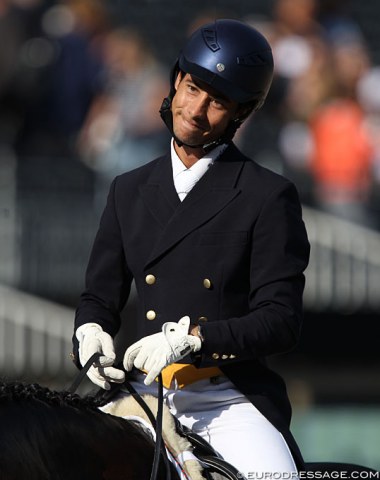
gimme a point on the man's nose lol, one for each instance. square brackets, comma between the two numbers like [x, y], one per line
[198, 107]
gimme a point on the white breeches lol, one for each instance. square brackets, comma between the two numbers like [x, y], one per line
[234, 427]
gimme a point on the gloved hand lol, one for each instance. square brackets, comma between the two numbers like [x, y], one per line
[92, 338]
[155, 352]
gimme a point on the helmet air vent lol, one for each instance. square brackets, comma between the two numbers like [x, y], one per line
[251, 60]
[209, 36]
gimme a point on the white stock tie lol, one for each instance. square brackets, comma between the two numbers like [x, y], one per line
[184, 182]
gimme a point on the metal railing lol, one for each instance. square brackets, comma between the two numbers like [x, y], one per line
[35, 337]
[344, 270]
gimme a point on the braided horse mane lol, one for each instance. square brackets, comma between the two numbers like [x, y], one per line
[57, 435]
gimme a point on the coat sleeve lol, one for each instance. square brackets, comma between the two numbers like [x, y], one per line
[108, 279]
[279, 255]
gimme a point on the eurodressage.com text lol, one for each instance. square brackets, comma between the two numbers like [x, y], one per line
[303, 475]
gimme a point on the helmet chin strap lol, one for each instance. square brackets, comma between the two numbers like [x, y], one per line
[167, 117]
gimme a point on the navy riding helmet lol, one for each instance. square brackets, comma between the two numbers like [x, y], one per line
[232, 57]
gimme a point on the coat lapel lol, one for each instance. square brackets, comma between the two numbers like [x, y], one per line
[214, 191]
[159, 193]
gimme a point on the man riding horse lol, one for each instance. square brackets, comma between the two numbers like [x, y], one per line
[217, 247]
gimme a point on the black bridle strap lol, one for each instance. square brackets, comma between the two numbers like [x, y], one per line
[83, 372]
[156, 422]
[157, 425]
[159, 417]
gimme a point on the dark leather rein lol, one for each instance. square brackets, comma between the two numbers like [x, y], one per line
[159, 449]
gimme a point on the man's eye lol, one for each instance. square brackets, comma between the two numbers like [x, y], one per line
[217, 103]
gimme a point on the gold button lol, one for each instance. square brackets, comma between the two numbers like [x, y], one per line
[150, 314]
[207, 283]
[202, 319]
[150, 279]
[224, 357]
[215, 356]
[232, 356]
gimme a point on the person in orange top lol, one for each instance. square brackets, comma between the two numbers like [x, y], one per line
[341, 159]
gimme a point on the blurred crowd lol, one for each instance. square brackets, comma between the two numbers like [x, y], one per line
[76, 84]
[323, 117]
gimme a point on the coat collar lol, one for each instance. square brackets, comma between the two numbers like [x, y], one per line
[159, 193]
[214, 191]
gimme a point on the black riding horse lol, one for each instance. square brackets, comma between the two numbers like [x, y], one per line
[50, 435]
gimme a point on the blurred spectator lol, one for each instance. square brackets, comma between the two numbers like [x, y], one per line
[309, 84]
[309, 73]
[67, 61]
[208, 15]
[277, 136]
[342, 158]
[123, 129]
[295, 17]
[368, 94]
[350, 60]
[19, 21]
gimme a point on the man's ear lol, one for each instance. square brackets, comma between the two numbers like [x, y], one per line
[243, 112]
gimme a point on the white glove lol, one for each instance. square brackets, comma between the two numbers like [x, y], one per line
[92, 338]
[157, 351]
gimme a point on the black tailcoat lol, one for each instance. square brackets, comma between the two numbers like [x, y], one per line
[231, 256]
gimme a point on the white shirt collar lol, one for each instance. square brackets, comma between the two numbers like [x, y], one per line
[201, 166]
